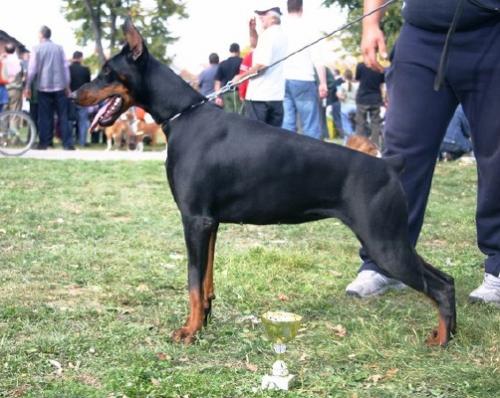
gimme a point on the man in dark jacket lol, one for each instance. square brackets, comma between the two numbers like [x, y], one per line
[80, 75]
[425, 82]
[226, 71]
[368, 102]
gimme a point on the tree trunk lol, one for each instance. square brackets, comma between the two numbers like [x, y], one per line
[96, 28]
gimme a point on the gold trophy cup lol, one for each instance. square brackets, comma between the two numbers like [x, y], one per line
[280, 327]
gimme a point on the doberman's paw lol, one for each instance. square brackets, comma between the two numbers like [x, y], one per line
[441, 335]
[437, 339]
[184, 335]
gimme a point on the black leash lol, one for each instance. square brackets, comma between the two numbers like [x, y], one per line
[443, 62]
[230, 85]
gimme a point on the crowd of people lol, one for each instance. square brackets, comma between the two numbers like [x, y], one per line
[45, 78]
[296, 93]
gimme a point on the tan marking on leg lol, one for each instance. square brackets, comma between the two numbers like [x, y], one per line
[194, 322]
[208, 281]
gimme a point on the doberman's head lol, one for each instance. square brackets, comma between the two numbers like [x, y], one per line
[119, 81]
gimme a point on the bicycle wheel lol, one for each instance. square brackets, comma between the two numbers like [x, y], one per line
[17, 133]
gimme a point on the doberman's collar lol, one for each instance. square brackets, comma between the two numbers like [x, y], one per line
[165, 124]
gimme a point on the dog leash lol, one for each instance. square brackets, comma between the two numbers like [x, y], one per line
[230, 85]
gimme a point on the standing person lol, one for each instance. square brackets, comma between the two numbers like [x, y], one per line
[48, 65]
[265, 93]
[302, 94]
[334, 81]
[206, 79]
[79, 75]
[423, 94]
[15, 78]
[226, 71]
[368, 102]
[346, 94]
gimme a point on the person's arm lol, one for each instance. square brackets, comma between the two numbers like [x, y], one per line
[341, 93]
[322, 86]
[373, 40]
[254, 36]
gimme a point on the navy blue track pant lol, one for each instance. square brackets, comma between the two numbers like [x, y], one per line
[417, 118]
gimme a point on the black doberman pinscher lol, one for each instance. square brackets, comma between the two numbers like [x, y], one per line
[223, 168]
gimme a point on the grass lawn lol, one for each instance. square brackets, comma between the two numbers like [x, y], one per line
[93, 281]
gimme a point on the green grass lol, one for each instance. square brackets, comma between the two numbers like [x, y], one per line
[93, 276]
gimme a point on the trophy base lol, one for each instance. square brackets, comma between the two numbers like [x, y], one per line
[270, 382]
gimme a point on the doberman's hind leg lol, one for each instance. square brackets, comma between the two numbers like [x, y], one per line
[197, 232]
[384, 235]
[441, 289]
[208, 280]
[401, 261]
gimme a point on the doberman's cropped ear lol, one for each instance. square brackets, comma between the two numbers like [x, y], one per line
[134, 39]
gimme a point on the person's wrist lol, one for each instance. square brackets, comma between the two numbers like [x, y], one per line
[371, 22]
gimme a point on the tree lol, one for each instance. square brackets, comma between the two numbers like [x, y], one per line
[391, 23]
[101, 21]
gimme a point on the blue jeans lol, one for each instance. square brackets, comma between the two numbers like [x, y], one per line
[83, 123]
[346, 113]
[301, 98]
[417, 118]
[48, 103]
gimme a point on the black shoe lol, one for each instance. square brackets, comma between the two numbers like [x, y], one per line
[70, 148]
[41, 147]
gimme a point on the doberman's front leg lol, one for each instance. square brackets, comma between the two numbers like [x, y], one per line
[197, 232]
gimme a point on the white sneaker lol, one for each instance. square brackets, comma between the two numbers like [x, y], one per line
[488, 292]
[371, 283]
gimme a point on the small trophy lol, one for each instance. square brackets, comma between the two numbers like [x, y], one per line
[281, 327]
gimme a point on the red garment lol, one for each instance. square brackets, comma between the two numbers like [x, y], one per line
[245, 65]
[2, 81]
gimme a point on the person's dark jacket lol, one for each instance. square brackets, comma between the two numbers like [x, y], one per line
[79, 75]
[370, 85]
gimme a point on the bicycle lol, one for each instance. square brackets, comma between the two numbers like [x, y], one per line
[17, 133]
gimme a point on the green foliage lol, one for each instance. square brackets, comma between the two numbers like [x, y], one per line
[101, 21]
[391, 23]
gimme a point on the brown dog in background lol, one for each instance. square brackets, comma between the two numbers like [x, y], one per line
[120, 132]
[363, 144]
[150, 130]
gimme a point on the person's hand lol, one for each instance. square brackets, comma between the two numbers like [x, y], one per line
[67, 92]
[373, 43]
[322, 90]
[27, 93]
[219, 101]
[252, 24]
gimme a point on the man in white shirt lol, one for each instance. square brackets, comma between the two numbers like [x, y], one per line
[302, 93]
[265, 93]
